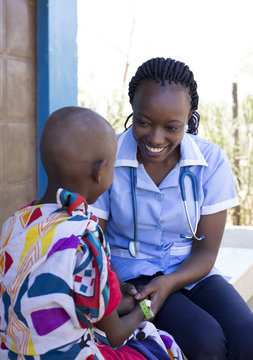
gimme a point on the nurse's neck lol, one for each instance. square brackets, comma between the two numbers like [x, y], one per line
[158, 170]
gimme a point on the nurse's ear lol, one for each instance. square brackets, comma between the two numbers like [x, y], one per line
[193, 122]
[186, 127]
[97, 170]
[190, 115]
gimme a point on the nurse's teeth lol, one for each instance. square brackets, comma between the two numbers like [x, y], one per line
[154, 150]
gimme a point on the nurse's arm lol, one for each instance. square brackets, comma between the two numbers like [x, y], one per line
[204, 252]
[195, 267]
[128, 290]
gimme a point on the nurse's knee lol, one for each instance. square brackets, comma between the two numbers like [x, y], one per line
[242, 348]
[208, 345]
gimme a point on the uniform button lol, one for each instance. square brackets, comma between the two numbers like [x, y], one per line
[160, 227]
[159, 197]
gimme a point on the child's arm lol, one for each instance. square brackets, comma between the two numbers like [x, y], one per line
[128, 292]
[118, 329]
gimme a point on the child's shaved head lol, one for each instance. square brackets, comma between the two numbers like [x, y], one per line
[77, 147]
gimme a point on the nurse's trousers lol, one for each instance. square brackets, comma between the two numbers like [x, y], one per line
[209, 322]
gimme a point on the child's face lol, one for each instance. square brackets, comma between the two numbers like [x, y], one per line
[160, 114]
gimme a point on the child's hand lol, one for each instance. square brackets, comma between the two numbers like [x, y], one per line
[126, 305]
[128, 302]
[127, 288]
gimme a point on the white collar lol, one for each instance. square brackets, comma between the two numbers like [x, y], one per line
[190, 153]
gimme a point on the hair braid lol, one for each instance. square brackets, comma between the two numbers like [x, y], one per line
[172, 72]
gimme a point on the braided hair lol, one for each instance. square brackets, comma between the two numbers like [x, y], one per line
[168, 71]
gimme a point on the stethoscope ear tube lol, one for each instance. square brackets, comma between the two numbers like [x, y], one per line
[186, 172]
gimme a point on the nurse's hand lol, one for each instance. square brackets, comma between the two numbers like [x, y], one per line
[128, 302]
[157, 291]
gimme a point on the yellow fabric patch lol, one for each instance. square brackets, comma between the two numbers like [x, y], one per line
[31, 239]
[39, 237]
[2, 262]
[31, 349]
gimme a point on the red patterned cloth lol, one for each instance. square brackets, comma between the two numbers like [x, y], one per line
[124, 353]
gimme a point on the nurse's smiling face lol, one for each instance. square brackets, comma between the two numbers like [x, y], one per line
[160, 114]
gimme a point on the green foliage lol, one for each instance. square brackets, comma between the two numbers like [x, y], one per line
[115, 112]
[246, 164]
[218, 126]
[114, 108]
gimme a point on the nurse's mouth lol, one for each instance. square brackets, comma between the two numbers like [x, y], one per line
[154, 150]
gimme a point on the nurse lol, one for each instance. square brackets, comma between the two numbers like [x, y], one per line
[145, 220]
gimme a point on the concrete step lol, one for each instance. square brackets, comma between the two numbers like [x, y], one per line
[236, 264]
[235, 260]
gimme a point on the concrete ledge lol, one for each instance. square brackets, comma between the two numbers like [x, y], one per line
[244, 285]
[236, 264]
[238, 237]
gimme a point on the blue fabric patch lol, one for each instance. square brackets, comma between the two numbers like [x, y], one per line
[45, 284]
[88, 273]
[83, 288]
[7, 304]
[17, 307]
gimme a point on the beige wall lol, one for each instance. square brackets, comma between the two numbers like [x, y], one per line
[18, 122]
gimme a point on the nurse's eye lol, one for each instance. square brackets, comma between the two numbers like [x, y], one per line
[172, 128]
[142, 123]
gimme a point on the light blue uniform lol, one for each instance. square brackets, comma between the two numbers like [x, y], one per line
[160, 211]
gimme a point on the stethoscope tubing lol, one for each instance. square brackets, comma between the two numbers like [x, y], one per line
[134, 245]
[187, 172]
[134, 202]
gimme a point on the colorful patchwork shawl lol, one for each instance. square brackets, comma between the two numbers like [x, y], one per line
[55, 281]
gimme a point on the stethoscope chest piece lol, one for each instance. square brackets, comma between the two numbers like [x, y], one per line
[134, 248]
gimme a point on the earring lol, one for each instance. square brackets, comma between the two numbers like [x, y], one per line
[186, 128]
[195, 116]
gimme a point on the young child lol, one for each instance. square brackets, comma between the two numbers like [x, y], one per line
[56, 282]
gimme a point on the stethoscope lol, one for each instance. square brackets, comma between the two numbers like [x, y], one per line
[134, 245]
[187, 172]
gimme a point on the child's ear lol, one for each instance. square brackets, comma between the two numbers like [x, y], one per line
[97, 169]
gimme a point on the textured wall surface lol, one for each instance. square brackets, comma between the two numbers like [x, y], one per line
[18, 122]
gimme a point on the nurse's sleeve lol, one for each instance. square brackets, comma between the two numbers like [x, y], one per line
[101, 208]
[218, 184]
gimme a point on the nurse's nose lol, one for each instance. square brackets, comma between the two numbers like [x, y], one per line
[157, 137]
